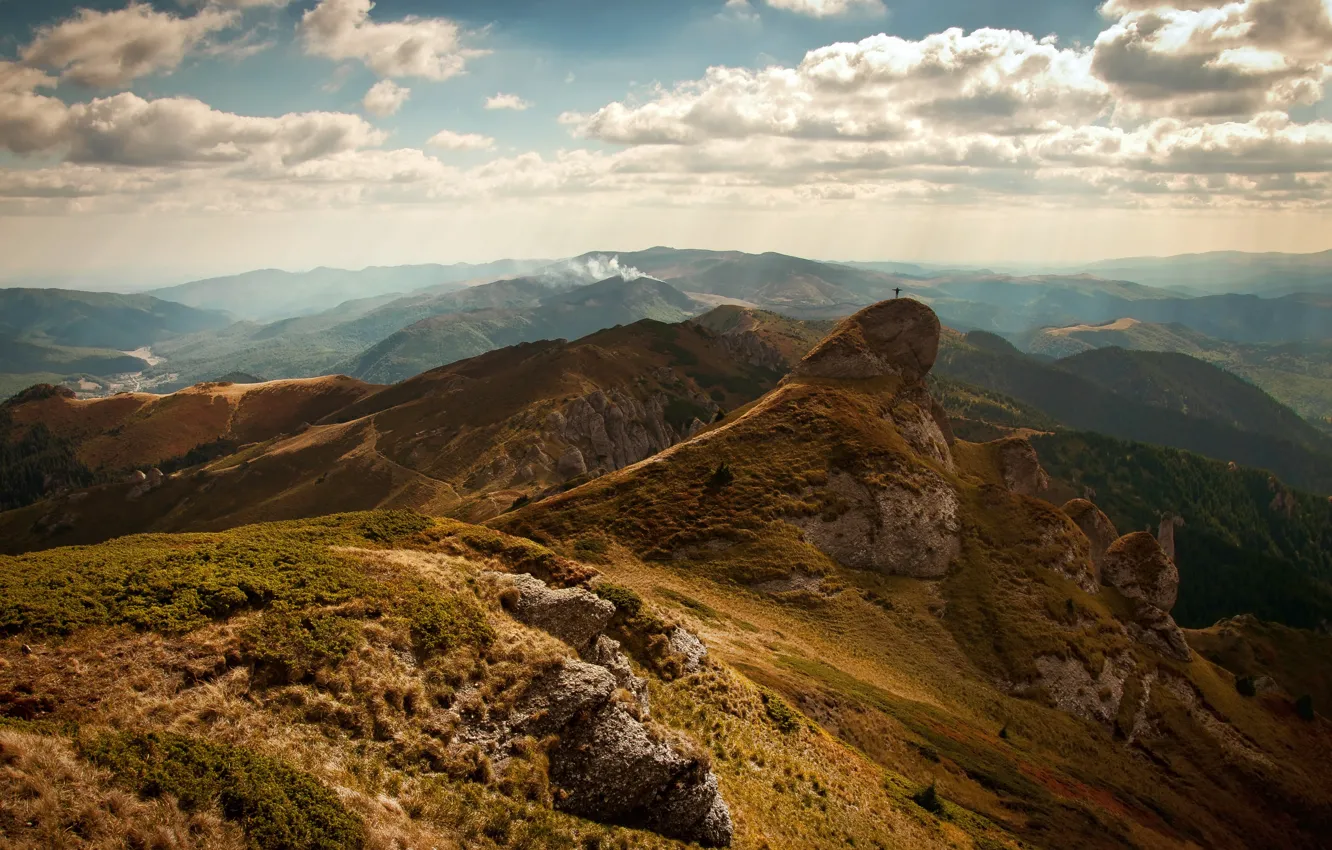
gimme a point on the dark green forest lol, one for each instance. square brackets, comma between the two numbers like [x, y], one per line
[1248, 544]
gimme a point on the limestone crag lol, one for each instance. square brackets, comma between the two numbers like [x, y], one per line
[891, 525]
[747, 346]
[908, 522]
[1021, 467]
[914, 414]
[1137, 566]
[574, 615]
[607, 764]
[1069, 552]
[613, 429]
[892, 338]
[1098, 528]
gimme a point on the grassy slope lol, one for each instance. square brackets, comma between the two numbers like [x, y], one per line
[142, 430]
[905, 670]
[232, 671]
[417, 444]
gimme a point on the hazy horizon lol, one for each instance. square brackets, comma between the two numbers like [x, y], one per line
[167, 141]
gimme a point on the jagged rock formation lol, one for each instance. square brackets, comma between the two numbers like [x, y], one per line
[900, 527]
[898, 337]
[1100, 531]
[574, 615]
[612, 429]
[1138, 567]
[608, 764]
[1021, 467]
[902, 524]
[1166, 533]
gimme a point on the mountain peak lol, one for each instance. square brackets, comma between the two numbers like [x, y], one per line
[898, 337]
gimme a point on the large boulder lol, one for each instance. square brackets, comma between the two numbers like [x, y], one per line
[892, 338]
[1100, 531]
[1138, 567]
[613, 769]
[574, 615]
[610, 767]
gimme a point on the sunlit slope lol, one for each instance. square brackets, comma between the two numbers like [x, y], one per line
[910, 595]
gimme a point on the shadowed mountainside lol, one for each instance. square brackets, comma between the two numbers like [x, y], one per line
[466, 439]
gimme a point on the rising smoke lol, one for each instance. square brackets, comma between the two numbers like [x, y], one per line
[589, 270]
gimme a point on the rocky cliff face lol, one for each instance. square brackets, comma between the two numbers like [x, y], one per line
[906, 523]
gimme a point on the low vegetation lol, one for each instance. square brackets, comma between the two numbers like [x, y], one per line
[278, 808]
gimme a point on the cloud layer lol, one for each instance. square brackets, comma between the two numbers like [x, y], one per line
[1185, 104]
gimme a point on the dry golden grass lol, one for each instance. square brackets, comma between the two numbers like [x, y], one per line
[51, 800]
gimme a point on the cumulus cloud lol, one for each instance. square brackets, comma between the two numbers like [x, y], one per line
[128, 130]
[991, 116]
[385, 98]
[113, 48]
[451, 141]
[883, 87]
[1216, 59]
[431, 48]
[507, 101]
[827, 8]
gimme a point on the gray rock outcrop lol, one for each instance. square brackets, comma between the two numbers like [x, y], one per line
[1098, 528]
[893, 526]
[1021, 467]
[613, 429]
[691, 650]
[892, 338]
[1137, 566]
[608, 764]
[574, 615]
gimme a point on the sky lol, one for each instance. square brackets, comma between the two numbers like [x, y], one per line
[147, 142]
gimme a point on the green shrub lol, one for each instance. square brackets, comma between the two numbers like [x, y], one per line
[781, 714]
[157, 584]
[278, 807]
[291, 645]
[1304, 707]
[439, 623]
[928, 799]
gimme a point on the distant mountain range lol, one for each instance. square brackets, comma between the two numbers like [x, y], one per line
[1161, 398]
[1298, 374]
[270, 294]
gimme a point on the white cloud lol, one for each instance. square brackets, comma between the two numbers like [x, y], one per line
[883, 87]
[113, 48]
[991, 117]
[451, 141]
[507, 101]
[738, 10]
[826, 8]
[385, 98]
[412, 47]
[1212, 59]
[244, 4]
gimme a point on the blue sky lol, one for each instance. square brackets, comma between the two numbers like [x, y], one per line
[301, 132]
